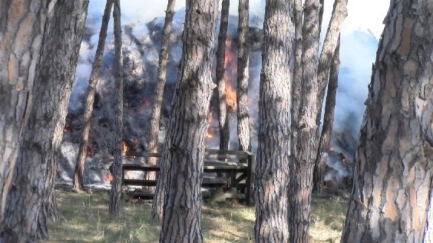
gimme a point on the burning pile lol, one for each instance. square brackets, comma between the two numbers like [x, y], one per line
[140, 58]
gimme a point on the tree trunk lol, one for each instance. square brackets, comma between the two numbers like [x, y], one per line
[220, 70]
[272, 170]
[328, 120]
[296, 82]
[116, 183]
[392, 175]
[339, 13]
[33, 180]
[184, 148]
[158, 201]
[78, 182]
[22, 24]
[306, 143]
[243, 126]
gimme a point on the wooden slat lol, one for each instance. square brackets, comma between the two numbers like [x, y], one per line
[207, 168]
[149, 195]
[208, 162]
[209, 153]
[141, 154]
[136, 182]
[207, 182]
[140, 167]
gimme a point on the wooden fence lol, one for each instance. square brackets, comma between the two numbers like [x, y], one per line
[237, 166]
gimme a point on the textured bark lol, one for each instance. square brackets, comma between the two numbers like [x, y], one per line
[22, 24]
[116, 183]
[393, 172]
[78, 182]
[243, 126]
[183, 151]
[157, 99]
[328, 122]
[297, 74]
[220, 70]
[34, 174]
[306, 137]
[273, 153]
[428, 234]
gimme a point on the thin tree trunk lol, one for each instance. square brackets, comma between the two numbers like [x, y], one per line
[243, 126]
[78, 181]
[116, 183]
[22, 25]
[28, 206]
[339, 13]
[328, 120]
[392, 174]
[220, 70]
[185, 144]
[158, 201]
[301, 171]
[161, 78]
[272, 170]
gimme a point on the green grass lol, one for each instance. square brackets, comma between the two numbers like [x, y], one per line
[85, 218]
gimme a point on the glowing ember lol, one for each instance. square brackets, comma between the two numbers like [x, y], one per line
[66, 128]
[109, 178]
[89, 151]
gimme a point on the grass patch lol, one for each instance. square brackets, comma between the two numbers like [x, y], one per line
[85, 218]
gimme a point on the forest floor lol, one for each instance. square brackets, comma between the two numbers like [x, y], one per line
[84, 218]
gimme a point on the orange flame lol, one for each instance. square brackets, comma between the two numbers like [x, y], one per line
[209, 132]
[229, 67]
[124, 147]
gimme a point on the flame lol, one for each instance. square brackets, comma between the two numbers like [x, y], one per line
[209, 132]
[230, 67]
[230, 98]
[124, 147]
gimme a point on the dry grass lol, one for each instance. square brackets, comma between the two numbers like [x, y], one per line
[85, 218]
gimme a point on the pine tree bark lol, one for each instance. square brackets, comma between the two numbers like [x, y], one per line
[78, 181]
[328, 120]
[306, 143]
[272, 170]
[158, 201]
[220, 71]
[22, 25]
[392, 175]
[297, 80]
[184, 148]
[116, 183]
[33, 183]
[243, 127]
